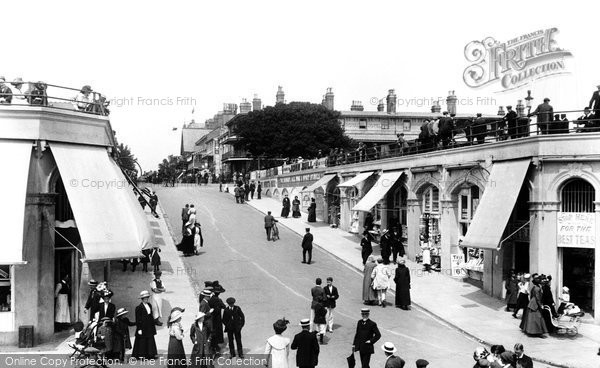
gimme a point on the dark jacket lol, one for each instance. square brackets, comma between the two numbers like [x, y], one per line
[396, 243]
[331, 295]
[110, 311]
[544, 113]
[394, 362]
[269, 221]
[307, 241]
[320, 314]
[366, 245]
[92, 301]
[217, 305]
[526, 361]
[155, 257]
[595, 102]
[233, 320]
[366, 331]
[144, 322]
[308, 349]
[317, 293]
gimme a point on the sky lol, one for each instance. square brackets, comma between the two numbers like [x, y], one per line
[158, 61]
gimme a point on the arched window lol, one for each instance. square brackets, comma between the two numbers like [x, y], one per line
[431, 200]
[578, 196]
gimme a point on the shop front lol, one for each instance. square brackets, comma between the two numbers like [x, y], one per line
[352, 189]
[430, 237]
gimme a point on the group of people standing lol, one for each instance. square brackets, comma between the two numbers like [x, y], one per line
[295, 207]
[499, 357]
[377, 277]
[244, 191]
[151, 256]
[191, 232]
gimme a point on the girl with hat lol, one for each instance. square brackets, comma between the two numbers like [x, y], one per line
[121, 340]
[144, 345]
[200, 334]
[278, 347]
[175, 352]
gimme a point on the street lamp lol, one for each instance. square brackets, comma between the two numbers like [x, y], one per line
[528, 100]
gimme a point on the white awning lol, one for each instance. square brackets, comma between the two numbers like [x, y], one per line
[111, 223]
[321, 182]
[496, 205]
[385, 182]
[15, 157]
[356, 180]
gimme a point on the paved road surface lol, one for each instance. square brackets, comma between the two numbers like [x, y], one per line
[269, 282]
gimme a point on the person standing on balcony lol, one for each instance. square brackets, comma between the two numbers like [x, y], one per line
[285, 211]
[511, 119]
[595, 102]
[83, 98]
[544, 114]
[21, 91]
[6, 94]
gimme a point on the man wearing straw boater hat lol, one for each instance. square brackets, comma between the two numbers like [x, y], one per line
[391, 360]
[93, 300]
[366, 335]
[307, 345]
[144, 345]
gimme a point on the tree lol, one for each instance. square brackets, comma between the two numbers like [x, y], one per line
[291, 130]
[170, 168]
[126, 160]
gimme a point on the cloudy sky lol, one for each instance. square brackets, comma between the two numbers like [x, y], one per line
[158, 60]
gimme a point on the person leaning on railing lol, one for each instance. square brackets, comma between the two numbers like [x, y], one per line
[6, 94]
[82, 99]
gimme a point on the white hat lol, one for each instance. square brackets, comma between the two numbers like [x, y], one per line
[206, 292]
[565, 289]
[199, 315]
[388, 347]
[527, 276]
[175, 316]
[305, 322]
[144, 294]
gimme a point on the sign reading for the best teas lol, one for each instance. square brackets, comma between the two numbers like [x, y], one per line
[576, 230]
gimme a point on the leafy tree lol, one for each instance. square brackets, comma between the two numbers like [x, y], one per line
[290, 130]
[170, 168]
[126, 160]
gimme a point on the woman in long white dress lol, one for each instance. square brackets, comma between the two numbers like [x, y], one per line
[62, 292]
[278, 347]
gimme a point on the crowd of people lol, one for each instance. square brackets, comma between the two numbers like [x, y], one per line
[295, 207]
[191, 232]
[244, 190]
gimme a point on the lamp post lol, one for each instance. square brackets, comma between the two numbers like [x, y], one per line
[528, 100]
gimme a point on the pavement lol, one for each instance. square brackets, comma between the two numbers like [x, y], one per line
[461, 305]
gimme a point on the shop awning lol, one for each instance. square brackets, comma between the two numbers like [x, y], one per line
[356, 180]
[385, 182]
[496, 205]
[15, 157]
[111, 223]
[323, 181]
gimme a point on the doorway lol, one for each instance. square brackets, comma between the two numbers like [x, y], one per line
[578, 276]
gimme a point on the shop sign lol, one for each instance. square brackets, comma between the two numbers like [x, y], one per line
[456, 260]
[576, 230]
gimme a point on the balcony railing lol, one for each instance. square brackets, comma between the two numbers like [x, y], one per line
[234, 154]
[40, 94]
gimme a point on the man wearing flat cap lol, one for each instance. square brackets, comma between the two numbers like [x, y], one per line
[307, 246]
[511, 120]
[544, 113]
[233, 321]
[366, 335]
[307, 345]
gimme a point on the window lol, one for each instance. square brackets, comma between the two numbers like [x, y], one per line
[468, 199]
[385, 124]
[431, 200]
[406, 125]
[362, 123]
[578, 196]
[5, 289]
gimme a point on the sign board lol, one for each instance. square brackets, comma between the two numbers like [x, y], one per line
[576, 230]
[455, 261]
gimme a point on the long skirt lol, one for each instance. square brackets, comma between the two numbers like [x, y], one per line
[175, 354]
[368, 294]
[533, 322]
[285, 212]
[144, 347]
[61, 309]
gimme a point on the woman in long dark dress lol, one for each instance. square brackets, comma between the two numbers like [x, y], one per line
[187, 242]
[144, 345]
[175, 354]
[512, 291]
[200, 333]
[285, 211]
[369, 295]
[121, 340]
[533, 322]
[402, 280]
[312, 211]
[296, 207]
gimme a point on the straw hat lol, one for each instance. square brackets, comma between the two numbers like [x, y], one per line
[305, 322]
[175, 316]
[120, 312]
[389, 348]
[199, 315]
[144, 294]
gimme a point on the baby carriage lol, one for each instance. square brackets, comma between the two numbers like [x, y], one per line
[274, 232]
[88, 347]
[566, 323]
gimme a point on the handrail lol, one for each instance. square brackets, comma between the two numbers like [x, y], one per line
[36, 94]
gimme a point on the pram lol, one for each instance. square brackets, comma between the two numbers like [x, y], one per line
[567, 323]
[88, 347]
[274, 232]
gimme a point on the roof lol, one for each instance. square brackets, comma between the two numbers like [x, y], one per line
[400, 114]
[189, 137]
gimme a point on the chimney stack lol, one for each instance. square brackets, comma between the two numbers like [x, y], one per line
[245, 106]
[501, 111]
[329, 99]
[357, 106]
[520, 108]
[451, 101]
[391, 102]
[256, 103]
[436, 108]
[381, 106]
[280, 96]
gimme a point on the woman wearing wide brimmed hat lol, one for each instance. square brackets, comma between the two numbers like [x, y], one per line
[144, 345]
[278, 346]
[121, 340]
[175, 352]
[200, 334]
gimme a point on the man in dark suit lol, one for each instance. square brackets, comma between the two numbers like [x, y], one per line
[391, 360]
[366, 335]
[595, 102]
[446, 125]
[587, 120]
[93, 300]
[105, 309]
[396, 243]
[144, 345]
[386, 246]
[307, 245]
[307, 345]
[331, 293]
[234, 320]
[317, 294]
[544, 114]
[269, 221]
[511, 120]
[519, 356]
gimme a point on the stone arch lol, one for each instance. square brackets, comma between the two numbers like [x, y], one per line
[454, 187]
[559, 181]
[268, 193]
[284, 192]
[275, 193]
[420, 185]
